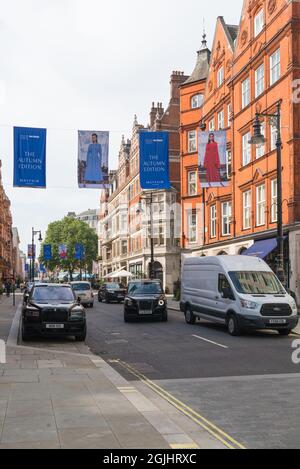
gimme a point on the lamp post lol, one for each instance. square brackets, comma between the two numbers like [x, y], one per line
[259, 139]
[149, 201]
[34, 233]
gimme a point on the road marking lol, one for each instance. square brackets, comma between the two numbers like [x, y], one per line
[207, 425]
[185, 446]
[210, 341]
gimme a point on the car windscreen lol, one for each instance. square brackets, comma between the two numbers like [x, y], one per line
[113, 286]
[256, 283]
[145, 288]
[81, 287]
[63, 294]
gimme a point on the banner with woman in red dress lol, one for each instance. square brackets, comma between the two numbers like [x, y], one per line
[213, 164]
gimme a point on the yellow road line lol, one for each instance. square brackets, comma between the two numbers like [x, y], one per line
[211, 428]
[185, 446]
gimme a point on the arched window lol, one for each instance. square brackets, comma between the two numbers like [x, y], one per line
[197, 101]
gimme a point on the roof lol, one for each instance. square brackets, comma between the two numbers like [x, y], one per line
[202, 65]
[88, 213]
[231, 263]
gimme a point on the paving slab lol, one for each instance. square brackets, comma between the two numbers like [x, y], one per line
[20, 409]
[88, 438]
[29, 429]
[79, 417]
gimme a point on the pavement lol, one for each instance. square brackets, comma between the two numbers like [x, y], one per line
[58, 394]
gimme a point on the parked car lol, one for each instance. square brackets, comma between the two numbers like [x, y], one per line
[145, 299]
[53, 310]
[240, 292]
[84, 291]
[112, 292]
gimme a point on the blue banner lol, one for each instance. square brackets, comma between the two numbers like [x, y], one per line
[154, 160]
[29, 157]
[47, 252]
[43, 269]
[79, 252]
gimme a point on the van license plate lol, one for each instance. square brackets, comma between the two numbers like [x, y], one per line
[55, 326]
[277, 321]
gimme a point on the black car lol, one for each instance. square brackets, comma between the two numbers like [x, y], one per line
[145, 299]
[112, 292]
[53, 310]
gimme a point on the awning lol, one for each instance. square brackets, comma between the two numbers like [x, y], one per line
[262, 248]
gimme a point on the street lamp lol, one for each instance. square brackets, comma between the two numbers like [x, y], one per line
[34, 233]
[259, 139]
[148, 197]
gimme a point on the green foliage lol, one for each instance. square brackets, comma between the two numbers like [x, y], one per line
[70, 231]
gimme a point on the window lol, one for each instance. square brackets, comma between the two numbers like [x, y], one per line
[220, 78]
[247, 210]
[226, 218]
[246, 148]
[192, 183]
[192, 141]
[197, 101]
[225, 288]
[192, 228]
[213, 221]
[261, 149]
[221, 120]
[211, 125]
[261, 205]
[246, 96]
[275, 67]
[259, 80]
[229, 111]
[274, 201]
[258, 23]
[228, 164]
[273, 137]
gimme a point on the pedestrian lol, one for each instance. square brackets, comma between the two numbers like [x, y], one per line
[7, 288]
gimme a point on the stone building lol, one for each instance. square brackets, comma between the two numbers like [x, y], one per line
[125, 240]
[5, 235]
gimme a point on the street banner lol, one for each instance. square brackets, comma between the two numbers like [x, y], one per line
[95, 268]
[62, 251]
[212, 159]
[42, 269]
[47, 252]
[93, 148]
[79, 252]
[29, 157]
[30, 251]
[154, 160]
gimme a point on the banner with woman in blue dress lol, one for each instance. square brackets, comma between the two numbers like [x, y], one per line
[93, 159]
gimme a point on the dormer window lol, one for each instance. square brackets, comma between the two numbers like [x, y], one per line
[197, 101]
[220, 77]
[259, 21]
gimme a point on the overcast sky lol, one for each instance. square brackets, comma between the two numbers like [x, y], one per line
[69, 65]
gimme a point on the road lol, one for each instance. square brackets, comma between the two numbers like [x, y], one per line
[248, 385]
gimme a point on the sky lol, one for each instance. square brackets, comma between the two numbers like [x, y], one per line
[69, 65]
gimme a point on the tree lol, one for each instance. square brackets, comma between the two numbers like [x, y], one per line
[70, 232]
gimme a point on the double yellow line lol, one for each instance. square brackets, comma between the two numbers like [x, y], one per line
[210, 427]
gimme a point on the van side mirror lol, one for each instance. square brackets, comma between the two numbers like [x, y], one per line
[227, 294]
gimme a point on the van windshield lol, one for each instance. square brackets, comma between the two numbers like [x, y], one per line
[257, 283]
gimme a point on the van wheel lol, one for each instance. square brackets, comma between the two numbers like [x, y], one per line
[189, 316]
[233, 326]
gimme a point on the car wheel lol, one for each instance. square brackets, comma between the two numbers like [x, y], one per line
[284, 332]
[189, 316]
[99, 299]
[233, 326]
[25, 335]
[165, 317]
[91, 305]
[81, 337]
[126, 318]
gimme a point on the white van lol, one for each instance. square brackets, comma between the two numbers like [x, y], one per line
[238, 291]
[84, 291]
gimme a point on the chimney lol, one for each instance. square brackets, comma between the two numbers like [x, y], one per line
[153, 114]
[177, 78]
